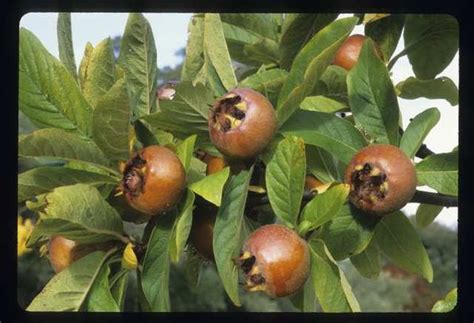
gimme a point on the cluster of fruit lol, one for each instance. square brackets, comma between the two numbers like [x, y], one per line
[274, 258]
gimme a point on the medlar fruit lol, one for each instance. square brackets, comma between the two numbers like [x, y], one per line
[202, 230]
[242, 123]
[275, 260]
[215, 164]
[153, 180]
[348, 54]
[382, 179]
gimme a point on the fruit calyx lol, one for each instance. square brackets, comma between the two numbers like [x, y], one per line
[369, 184]
[134, 176]
[254, 279]
[229, 112]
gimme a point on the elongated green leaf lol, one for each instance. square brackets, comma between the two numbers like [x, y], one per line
[80, 213]
[182, 227]
[448, 303]
[59, 144]
[68, 290]
[348, 233]
[297, 30]
[333, 134]
[368, 263]
[138, 60]
[439, 88]
[237, 38]
[333, 84]
[84, 64]
[194, 49]
[284, 177]
[98, 72]
[322, 164]
[330, 284]
[100, 299]
[262, 25]
[267, 82]
[44, 179]
[322, 104]
[417, 131]
[211, 186]
[66, 50]
[323, 207]
[386, 33]
[264, 51]
[216, 48]
[111, 128]
[431, 42]
[398, 239]
[156, 265]
[192, 268]
[185, 151]
[186, 114]
[118, 287]
[305, 299]
[439, 172]
[227, 231]
[310, 64]
[48, 93]
[426, 214]
[372, 97]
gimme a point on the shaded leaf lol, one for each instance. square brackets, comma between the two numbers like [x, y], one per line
[386, 33]
[439, 88]
[439, 172]
[426, 214]
[417, 130]
[182, 226]
[100, 298]
[368, 263]
[185, 151]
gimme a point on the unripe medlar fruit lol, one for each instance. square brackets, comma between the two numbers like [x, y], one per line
[348, 53]
[202, 230]
[242, 123]
[382, 179]
[63, 252]
[153, 180]
[275, 259]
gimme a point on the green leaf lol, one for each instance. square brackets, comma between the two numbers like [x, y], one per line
[194, 59]
[439, 172]
[284, 178]
[118, 287]
[447, 304]
[59, 144]
[111, 129]
[330, 284]
[216, 48]
[44, 179]
[192, 268]
[227, 232]
[48, 94]
[265, 51]
[267, 82]
[323, 207]
[211, 186]
[322, 164]
[398, 239]
[348, 233]
[156, 264]
[66, 50]
[185, 151]
[417, 130]
[237, 38]
[67, 291]
[333, 84]
[305, 299]
[262, 25]
[431, 41]
[186, 114]
[182, 227]
[386, 33]
[144, 134]
[138, 60]
[372, 97]
[85, 63]
[368, 263]
[335, 135]
[78, 212]
[310, 64]
[297, 30]
[426, 214]
[322, 104]
[439, 88]
[100, 298]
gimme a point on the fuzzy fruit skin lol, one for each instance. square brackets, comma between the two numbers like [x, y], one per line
[202, 231]
[282, 256]
[400, 172]
[215, 164]
[253, 134]
[348, 53]
[164, 181]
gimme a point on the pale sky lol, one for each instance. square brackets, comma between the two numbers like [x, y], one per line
[170, 32]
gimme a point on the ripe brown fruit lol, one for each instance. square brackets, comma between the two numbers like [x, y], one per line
[215, 164]
[202, 230]
[242, 123]
[382, 179]
[63, 252]
[348, 53]
[312, 184]
[275, 260]
[153, 180]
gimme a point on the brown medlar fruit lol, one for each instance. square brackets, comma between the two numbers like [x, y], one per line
[348, 53]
